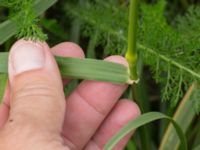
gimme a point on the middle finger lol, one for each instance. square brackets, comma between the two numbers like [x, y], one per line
[87, 107]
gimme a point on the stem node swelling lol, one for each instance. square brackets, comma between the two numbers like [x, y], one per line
[131, 54]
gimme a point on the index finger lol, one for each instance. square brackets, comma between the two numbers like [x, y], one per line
[88, 106]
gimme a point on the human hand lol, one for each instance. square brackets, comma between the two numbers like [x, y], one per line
[35, 114]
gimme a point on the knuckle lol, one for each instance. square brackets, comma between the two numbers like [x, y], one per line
[36, 94]
[34, 88]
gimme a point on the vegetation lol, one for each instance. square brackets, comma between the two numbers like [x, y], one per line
[162, 48]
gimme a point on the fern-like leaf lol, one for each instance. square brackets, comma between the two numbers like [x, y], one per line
[21, 12]
[171, 53]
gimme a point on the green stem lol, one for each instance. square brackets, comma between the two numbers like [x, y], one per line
[132, 58]
[143, 47]
[76, 28]
[140, 96]
[171, 61]
[75, 31]
[92, 45]
[131, 54]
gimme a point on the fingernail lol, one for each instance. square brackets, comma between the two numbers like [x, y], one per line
[26, 56]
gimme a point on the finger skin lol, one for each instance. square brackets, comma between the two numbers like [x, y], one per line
[36, 85]
[87, 107]
[5, 107]
[122, 113]
[68, 49]
[37, 102]
[65, 49]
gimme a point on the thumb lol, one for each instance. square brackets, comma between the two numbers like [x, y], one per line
[37, 98]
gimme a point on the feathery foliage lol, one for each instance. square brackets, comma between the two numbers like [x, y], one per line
[22, 13]
[171, 53]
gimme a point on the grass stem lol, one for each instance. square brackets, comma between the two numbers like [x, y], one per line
[131, 54]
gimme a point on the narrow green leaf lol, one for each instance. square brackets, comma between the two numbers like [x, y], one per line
[196, 130]
[184, 116]
[142, 120]
[3, 82]
[42, 5]
[89, 69]
[196, 148]
[4, 62]
[9, 27]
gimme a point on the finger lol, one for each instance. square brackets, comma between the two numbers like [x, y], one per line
[37, 101]
[123, 112]
[68, 49]
[5, 108]
[87, 107]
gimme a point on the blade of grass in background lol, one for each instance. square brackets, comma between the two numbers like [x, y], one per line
[194, 134]
[92, 45]
[3, 62]
[196, 148]
[89, 69]
[197, 141]
[3, 82]
[142, 120]
[184, 116]
[9, 27]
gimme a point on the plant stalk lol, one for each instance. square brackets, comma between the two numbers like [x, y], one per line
[132, 58]
[131, 54]
[140, 96]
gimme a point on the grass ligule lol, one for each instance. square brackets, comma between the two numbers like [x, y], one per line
[142, 120]
[89, 69]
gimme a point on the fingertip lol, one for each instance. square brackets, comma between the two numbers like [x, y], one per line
[124, 111]
[130, 108]
[68, 49]
[23, 42]
[117, 59]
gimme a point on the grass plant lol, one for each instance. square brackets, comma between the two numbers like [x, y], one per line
[162, 50]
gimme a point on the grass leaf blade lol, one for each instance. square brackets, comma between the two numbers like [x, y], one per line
[184, 116]
[142, 120]
[92, 69]
[196, 148]
[89, 69]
